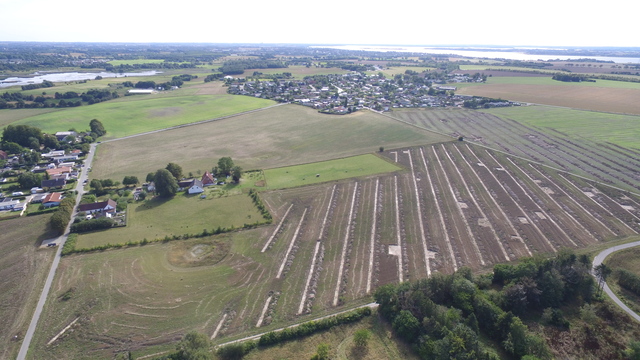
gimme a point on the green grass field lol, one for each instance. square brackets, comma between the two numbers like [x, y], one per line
[541, 80]
[298, 175]
[392, 71]
[10, 116]
[280, 136]
[142, 113]
[183, 214]
[600, 127]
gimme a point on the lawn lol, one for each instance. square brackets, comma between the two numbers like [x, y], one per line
[596, 126]
[23, 269]
[356, 166]
[183, 214]
[137, 114]
[280, 136]
[10, 116]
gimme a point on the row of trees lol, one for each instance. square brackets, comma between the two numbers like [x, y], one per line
[60, 219]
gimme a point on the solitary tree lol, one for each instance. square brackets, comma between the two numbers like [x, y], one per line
[175, 170]
[361, 338]
[602, 272]
[149, 177]
[225, 165]
[97, 127]
[236, 173]
[130, 180]
[166, 183]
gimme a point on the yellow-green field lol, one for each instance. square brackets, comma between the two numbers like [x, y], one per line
[306, 174]
[280, 136]
[23, 270]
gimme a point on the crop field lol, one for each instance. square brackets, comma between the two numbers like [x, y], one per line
[23, 269]
[330, 246]
[135, 115]
[183, 214]
[313, 173]
[280, 136]
[581, 142]
[605, 96]
[297, 72]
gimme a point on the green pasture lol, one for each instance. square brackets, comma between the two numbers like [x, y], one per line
[298, 72]
[8, 116]
[596, 126]
[539, 80]
[478, 68]
[280, 136]
[355, 166]
[142, 113]
[182, 214]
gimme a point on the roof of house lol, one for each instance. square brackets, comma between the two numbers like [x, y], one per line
[207, 178]
[53, 183]
[97, 205]
[197, 183]
[3, 155]
[52, 197]
[60, 170]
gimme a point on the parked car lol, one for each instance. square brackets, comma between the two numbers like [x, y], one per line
[17, 193]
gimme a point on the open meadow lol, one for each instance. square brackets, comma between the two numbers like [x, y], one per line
[313, 173]
[23, 270]
[329, 247]
[137, 114]
[280, 136]
[597, 145]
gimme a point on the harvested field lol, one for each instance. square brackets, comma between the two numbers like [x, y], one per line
[280, 136]
[604, 99]
[23, 270]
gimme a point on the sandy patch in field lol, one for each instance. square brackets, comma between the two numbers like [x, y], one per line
[540, 215]
[523, 220]
[547, 190]
[484, 222]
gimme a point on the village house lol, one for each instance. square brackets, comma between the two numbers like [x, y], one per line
[58, 183]
[52, 199]
[103, 207]
[196, 187]
[208, 179]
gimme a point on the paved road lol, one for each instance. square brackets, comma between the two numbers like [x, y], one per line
[54, 266]
[599, 259]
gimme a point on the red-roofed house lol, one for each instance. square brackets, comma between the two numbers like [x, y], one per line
[108, 206]
[208, 179]
[52, 199]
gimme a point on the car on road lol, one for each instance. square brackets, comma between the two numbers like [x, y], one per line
[52, 245]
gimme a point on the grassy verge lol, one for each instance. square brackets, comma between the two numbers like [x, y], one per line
[306, 174]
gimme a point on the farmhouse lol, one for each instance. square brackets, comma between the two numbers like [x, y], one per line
[61, 135]
[208, 179]
[108, 206]
[196, 187]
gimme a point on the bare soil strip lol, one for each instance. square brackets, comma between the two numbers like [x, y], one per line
[326, 215]
[373, 235]
[215, 333]
[398, 234]
[600, 205]
[264, 311]
[495, 203]
[293, 240]
[515, 202]
[464, 219]
[574, 200]
[617, 203]
[275, 232]
[440, 216]
[152, 355]
[345, 245]
[532, 201]
[425, 250]
[475, 202]
[145, 315]
[62, 331]
[130, 326]
[573, 219]
[311, 271]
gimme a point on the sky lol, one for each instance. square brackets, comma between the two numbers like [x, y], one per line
[463, 22]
